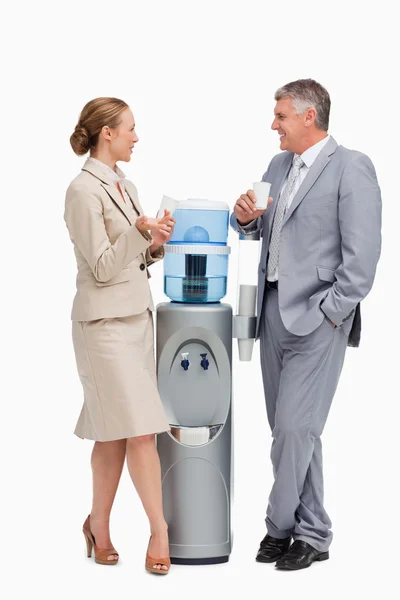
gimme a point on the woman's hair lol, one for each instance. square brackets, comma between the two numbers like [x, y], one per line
[95, 115]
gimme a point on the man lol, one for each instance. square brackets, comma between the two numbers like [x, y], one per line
[321, 244]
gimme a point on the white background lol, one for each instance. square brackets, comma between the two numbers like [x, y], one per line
[200, 78]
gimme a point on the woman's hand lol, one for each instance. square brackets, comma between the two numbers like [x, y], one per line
[160, 229]
[162, 237]
[156, 226]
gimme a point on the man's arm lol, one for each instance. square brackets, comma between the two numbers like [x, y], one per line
[249, 228]
[360, 214]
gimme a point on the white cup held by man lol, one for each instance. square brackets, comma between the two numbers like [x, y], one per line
[261, 190]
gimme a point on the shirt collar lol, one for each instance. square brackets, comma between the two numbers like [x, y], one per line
[311, 153]
[115, 176]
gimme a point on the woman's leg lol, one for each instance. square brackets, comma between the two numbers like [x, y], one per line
[145, 471]
[107, 462]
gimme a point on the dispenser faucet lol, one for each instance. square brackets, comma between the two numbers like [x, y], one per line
[185, 362]
[204, 362]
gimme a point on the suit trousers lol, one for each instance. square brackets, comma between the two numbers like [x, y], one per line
[300, 376]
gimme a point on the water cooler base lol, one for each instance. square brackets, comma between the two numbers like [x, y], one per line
[196, 455]
[200, 561]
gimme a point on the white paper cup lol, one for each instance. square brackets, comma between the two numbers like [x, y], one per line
[168, 204]
[261, 190]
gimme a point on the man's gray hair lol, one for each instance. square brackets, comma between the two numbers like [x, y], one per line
[307, 93]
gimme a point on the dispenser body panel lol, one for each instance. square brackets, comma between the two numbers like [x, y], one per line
[196, 455]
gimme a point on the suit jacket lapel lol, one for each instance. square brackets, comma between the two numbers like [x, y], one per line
[115, 195]
[316, 169]
[109, 187]
[275, 191]
[131, 190]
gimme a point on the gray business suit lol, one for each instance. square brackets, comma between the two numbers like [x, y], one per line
[329, 249]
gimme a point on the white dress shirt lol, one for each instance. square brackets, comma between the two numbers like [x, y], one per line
[116, 177]
[308, 158]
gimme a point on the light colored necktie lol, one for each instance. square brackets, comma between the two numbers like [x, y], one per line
[273, 258]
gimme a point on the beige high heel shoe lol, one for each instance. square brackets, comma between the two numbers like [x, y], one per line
[100, 554]
[151, 561]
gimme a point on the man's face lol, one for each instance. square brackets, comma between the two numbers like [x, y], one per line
[289, 125]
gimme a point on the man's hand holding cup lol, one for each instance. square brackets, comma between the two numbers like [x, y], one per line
[252, 204]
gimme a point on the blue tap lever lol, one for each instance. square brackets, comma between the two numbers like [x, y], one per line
[204, 362]
[185, 362]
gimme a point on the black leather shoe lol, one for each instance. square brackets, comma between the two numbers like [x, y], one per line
[271, 549]
[300, 556]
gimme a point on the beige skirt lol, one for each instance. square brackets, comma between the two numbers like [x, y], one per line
[115, 360]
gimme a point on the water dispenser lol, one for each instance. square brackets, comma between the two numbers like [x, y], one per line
[194, 371]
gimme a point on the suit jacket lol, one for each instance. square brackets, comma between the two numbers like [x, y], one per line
[111, 254]
[330, 240]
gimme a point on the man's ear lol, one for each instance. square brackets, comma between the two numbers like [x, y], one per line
[310, 116]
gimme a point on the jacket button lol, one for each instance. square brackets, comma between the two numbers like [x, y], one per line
[142, 267]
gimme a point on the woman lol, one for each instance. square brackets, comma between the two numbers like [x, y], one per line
[112, 326]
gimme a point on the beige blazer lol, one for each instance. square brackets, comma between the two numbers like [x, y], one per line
[112, 255]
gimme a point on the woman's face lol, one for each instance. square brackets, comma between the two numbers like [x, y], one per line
[123, 138]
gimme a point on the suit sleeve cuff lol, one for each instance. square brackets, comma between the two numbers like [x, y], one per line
[152, 257]
[249, 228]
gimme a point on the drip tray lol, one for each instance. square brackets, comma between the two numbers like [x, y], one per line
[195, 436]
